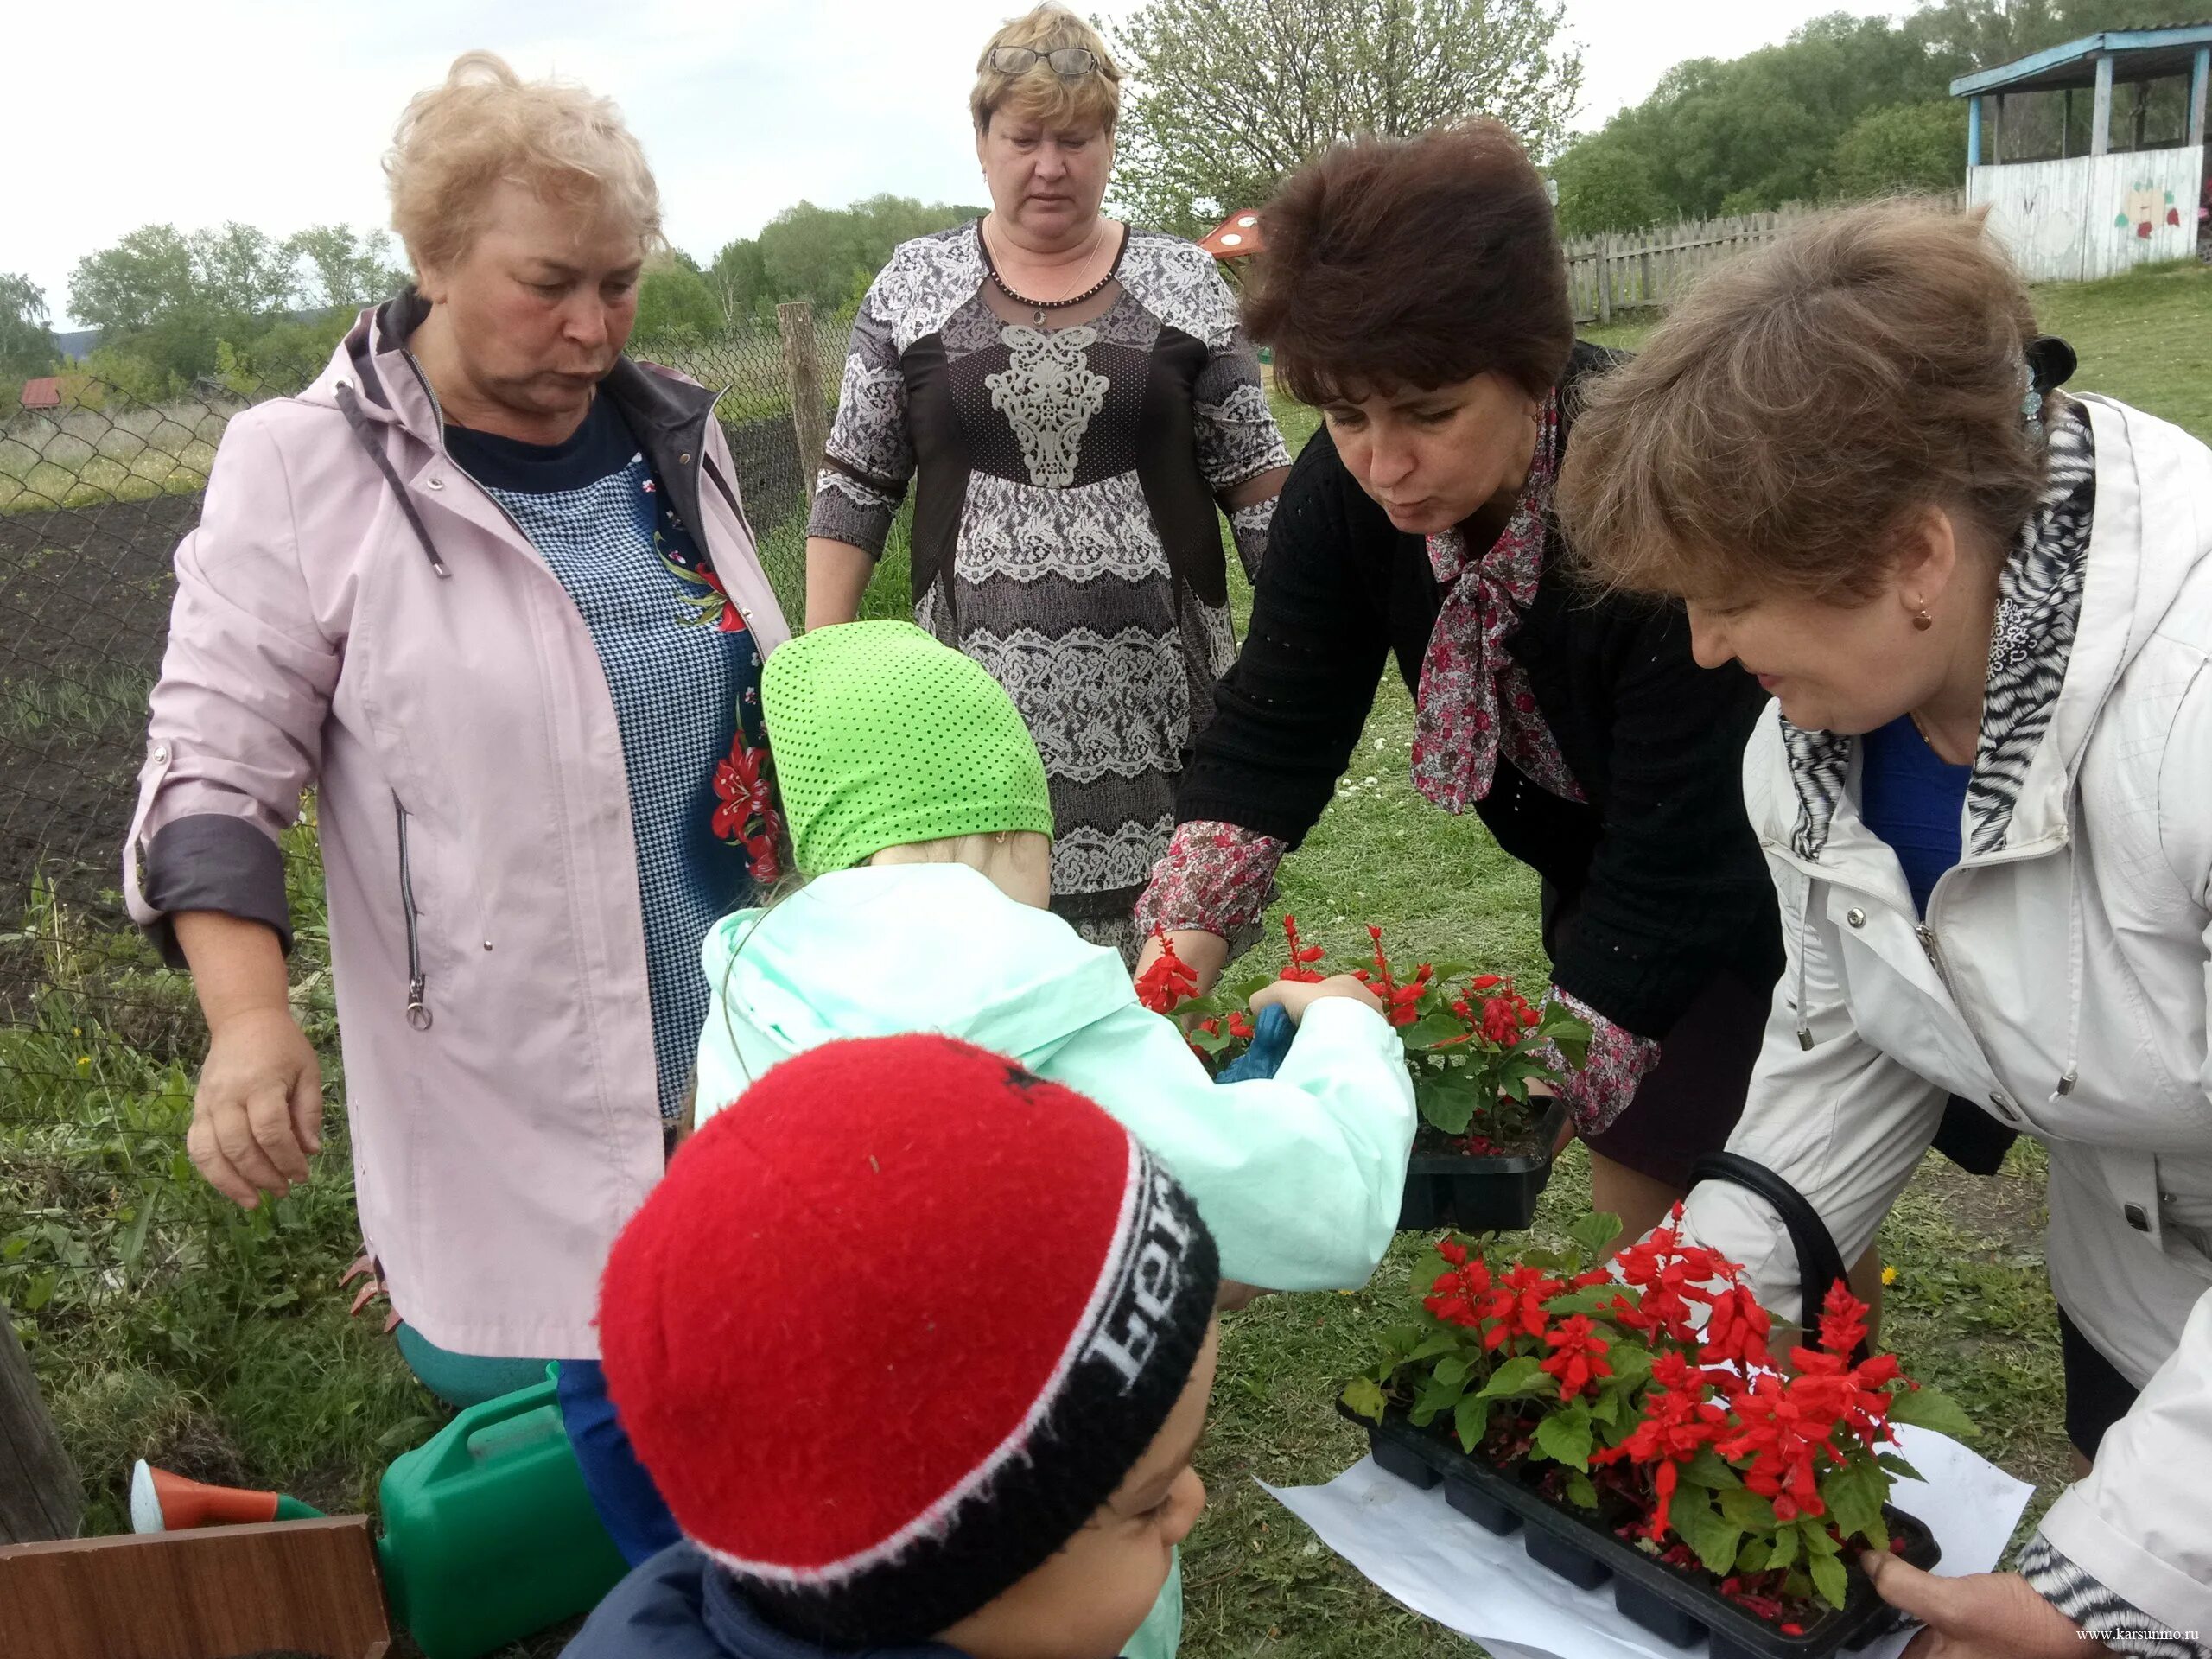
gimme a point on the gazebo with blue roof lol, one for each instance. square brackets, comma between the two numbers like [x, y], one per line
[2073, 210]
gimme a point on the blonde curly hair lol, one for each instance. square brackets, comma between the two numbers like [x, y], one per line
[487, 126]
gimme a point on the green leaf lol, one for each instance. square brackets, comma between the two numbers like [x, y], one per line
[1435, 1399]
[1437, 1028]
[1523, 1377]
[1595, 1232]
[1631, 1364]
[1607, 1408]
[1446, 1104]
[1828, 1579]
[1747, 1509]
[1364, 1395]
[1813, 1535]
[1444, 1342]
[1699, 1526]
[1755, 1555]
[1470, 1421]
[1590, 1299]
[1580, 1492]
[1708, 1469]
[1854, 1496]
[1565, 1437]
[1784, 1547]
[1898, 1467]
[1545, 1261]
[1451, 1371]
[1927, 1407]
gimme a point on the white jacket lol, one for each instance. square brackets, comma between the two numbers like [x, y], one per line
[2061, 979]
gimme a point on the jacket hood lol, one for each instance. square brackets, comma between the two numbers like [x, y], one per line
[877, 952]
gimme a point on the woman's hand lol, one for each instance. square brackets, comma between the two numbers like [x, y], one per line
[1204, 954]
[1294, 996]
[258, 1116]
[1983, 1616]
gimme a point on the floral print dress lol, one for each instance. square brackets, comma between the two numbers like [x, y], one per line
[1067, 462]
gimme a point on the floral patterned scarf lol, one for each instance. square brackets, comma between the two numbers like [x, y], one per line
[1474, 700]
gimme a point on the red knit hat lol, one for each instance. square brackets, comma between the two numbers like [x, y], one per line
[895, 1325]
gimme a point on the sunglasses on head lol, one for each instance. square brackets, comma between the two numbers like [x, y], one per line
[1067, 62]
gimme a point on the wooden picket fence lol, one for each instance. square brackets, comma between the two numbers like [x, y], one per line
[1636, 270]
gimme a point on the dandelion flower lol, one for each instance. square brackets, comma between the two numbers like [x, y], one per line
[1889, 1276]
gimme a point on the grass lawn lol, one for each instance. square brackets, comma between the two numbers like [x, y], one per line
[164, 1324]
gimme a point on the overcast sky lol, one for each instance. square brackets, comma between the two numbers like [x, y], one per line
[125, 112]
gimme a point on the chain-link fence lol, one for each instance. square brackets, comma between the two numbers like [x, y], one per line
[108, 1241]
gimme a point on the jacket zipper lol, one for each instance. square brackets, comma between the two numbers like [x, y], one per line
[418, 1010]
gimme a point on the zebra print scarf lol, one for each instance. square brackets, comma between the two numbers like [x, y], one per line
[2039, 606]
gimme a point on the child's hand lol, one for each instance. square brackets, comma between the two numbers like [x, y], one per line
[1294, 996]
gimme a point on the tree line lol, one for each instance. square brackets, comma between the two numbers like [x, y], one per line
[1848, 107]
[1226, 97]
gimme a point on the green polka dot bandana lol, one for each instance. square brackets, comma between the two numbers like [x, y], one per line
[883, 737]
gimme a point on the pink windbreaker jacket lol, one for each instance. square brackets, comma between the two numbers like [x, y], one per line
[356, 615]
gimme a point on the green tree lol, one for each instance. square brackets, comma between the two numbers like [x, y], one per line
[1231, 95]
[120, 290]
[739, 281]
[26, 343]
[342, 269]
[1904, 146]
[1751, 133]
[677, 301]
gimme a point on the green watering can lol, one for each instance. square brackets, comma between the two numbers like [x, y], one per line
[488, 1533]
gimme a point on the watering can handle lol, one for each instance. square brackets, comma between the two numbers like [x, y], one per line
[453, 1454]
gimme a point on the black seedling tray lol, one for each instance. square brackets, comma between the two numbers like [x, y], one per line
[1669, 1601]
[1480, 1195]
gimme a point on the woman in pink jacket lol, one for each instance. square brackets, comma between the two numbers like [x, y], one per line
[488, 588]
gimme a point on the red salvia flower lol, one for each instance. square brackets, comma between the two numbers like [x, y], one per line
[1736, 1332]
[1302, 956]
[1169, 980]
[1578, 1355]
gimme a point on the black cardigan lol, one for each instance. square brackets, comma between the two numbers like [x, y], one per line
[1668, 882]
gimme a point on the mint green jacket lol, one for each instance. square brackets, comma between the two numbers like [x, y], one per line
[1299, 1176]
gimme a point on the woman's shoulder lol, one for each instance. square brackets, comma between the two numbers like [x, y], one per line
[1178, 281]
[930, 274]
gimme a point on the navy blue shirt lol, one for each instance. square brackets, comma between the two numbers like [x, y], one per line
[1913, 800]
[684, 675]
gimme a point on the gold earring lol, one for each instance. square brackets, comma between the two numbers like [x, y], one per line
[1923, 621]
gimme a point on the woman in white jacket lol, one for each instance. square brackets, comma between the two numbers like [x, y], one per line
[1985, 611]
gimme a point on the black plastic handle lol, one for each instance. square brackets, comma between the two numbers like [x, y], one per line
[1819, 1264]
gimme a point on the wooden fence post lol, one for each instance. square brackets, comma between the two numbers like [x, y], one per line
[1605, 279]
[40, 1497]
[803, 375]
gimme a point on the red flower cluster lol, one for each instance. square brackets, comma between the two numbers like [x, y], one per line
[746, 816]
[1302, 956]
[1169, 982]
[1578, 1355]
[1400, 1003]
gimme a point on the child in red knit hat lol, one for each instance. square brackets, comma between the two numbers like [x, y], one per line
[917, 1346]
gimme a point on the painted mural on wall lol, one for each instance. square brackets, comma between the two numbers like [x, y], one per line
[2146, 208]
[2092, 216]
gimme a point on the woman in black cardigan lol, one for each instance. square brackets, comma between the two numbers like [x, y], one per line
[1415, 292]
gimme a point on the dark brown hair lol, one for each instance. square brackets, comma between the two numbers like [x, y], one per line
[1804, 405]
[1412, 263]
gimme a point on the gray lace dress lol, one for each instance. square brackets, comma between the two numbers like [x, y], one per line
[1067, 462]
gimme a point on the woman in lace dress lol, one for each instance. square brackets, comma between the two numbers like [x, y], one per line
[1415, 291]
[1075, 404]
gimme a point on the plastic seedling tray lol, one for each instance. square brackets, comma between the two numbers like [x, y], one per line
[1480, 1195]
[1669, 1601]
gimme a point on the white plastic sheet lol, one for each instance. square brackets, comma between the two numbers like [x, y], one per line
[1429, 1556]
